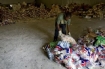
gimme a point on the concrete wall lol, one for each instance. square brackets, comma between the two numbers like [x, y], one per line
[14, 1]
[48, 3]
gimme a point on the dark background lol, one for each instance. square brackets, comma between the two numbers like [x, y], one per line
[48, 3]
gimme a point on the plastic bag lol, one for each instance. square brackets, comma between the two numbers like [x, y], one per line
[100, 41]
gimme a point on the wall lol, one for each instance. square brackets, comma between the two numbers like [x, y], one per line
[14, 1]
[48, 3]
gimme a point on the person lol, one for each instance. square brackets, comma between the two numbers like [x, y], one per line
[62, 21]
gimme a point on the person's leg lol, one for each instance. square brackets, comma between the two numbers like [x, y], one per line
[1, 22]
[56, 34]
[63, 26]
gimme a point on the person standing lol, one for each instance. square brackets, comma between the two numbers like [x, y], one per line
[61, 23]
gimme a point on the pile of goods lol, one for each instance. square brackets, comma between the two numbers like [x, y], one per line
[90, 36]
[97, 10]
[87, 11]
[78, 9]
[87, 53]
[8, 13]
[55, 10]
[6, 16]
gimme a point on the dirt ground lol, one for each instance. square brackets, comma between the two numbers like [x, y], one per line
[21, 43]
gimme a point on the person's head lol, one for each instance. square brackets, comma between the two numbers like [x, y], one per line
[67, 15]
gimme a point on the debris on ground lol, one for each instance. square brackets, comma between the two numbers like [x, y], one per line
[87, 53]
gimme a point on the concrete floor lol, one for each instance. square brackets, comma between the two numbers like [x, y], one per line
[21, 43]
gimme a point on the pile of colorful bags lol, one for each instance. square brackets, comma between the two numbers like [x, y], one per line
[78, 55]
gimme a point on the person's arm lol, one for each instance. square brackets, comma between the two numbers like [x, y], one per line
[58, 27]
[58, 22]
[68, 28]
